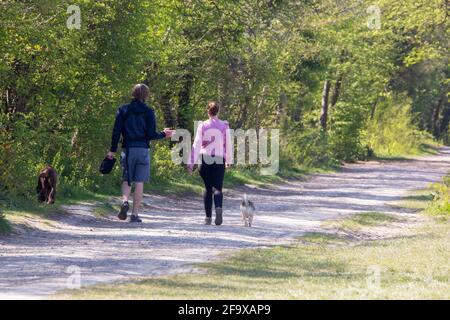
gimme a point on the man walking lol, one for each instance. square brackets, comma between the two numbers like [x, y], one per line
[136, 123]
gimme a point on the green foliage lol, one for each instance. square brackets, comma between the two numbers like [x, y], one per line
[392, 132]
[4, 225]
[265, 61]
[440, 206]
[345, 136]
[309, 148]
[163, 167]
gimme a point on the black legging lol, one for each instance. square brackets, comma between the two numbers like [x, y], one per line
[212, 175]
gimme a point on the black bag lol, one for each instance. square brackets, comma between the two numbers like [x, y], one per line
[107, 165]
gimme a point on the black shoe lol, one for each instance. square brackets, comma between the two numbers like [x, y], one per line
[123, 211]
[219, 219]
[134, 218]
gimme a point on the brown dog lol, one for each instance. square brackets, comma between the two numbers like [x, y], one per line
[46, 187]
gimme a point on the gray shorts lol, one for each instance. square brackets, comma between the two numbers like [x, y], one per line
[138, 165]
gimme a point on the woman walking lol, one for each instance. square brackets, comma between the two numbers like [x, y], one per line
[212, 149]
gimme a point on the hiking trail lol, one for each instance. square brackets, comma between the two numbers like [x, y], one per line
[34, 262]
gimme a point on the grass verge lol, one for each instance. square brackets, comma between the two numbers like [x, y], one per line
[318, 266]
[417, 201]
[423, 149]
[440, 206]
[356, 222]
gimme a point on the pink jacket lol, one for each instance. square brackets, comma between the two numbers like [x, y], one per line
[213, 138]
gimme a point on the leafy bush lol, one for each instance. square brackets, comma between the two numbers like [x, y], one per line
[345, 134]
[308, 148]
[440, 206]
[60, 88]
[162, 166]
[392, 132]
[5, 227]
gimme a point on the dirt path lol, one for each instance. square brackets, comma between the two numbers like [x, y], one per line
[173, 238]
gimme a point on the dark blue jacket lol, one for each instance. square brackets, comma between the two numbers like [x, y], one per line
[136, 123]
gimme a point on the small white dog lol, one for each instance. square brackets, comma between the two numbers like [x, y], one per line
[247, 211]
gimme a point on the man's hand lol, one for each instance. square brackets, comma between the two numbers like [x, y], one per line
[110, 155]
[169, 132]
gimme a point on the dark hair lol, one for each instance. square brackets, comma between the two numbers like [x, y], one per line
[140, 92]
[213, 108]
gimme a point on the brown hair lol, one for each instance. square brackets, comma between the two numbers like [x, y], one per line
[140, 92]
[213, 108]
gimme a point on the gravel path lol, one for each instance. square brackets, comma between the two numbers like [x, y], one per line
[172, 238]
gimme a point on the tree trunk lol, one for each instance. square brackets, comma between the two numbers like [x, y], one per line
[374, 109]
[336, 90]
[436, 116]
[445, 120]
[324, 113]
[166, 108]
[282, 105]
[162, 99]
[297, 113]
[223, 92]
[184, 98]
[243, 112]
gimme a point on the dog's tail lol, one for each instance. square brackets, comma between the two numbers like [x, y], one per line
[245, 198]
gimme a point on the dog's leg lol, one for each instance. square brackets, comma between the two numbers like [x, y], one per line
[51, 196]
[42, 180]
[45, 188]
[40, 189]
[250, 220]
[245, 223]
[53, 178]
